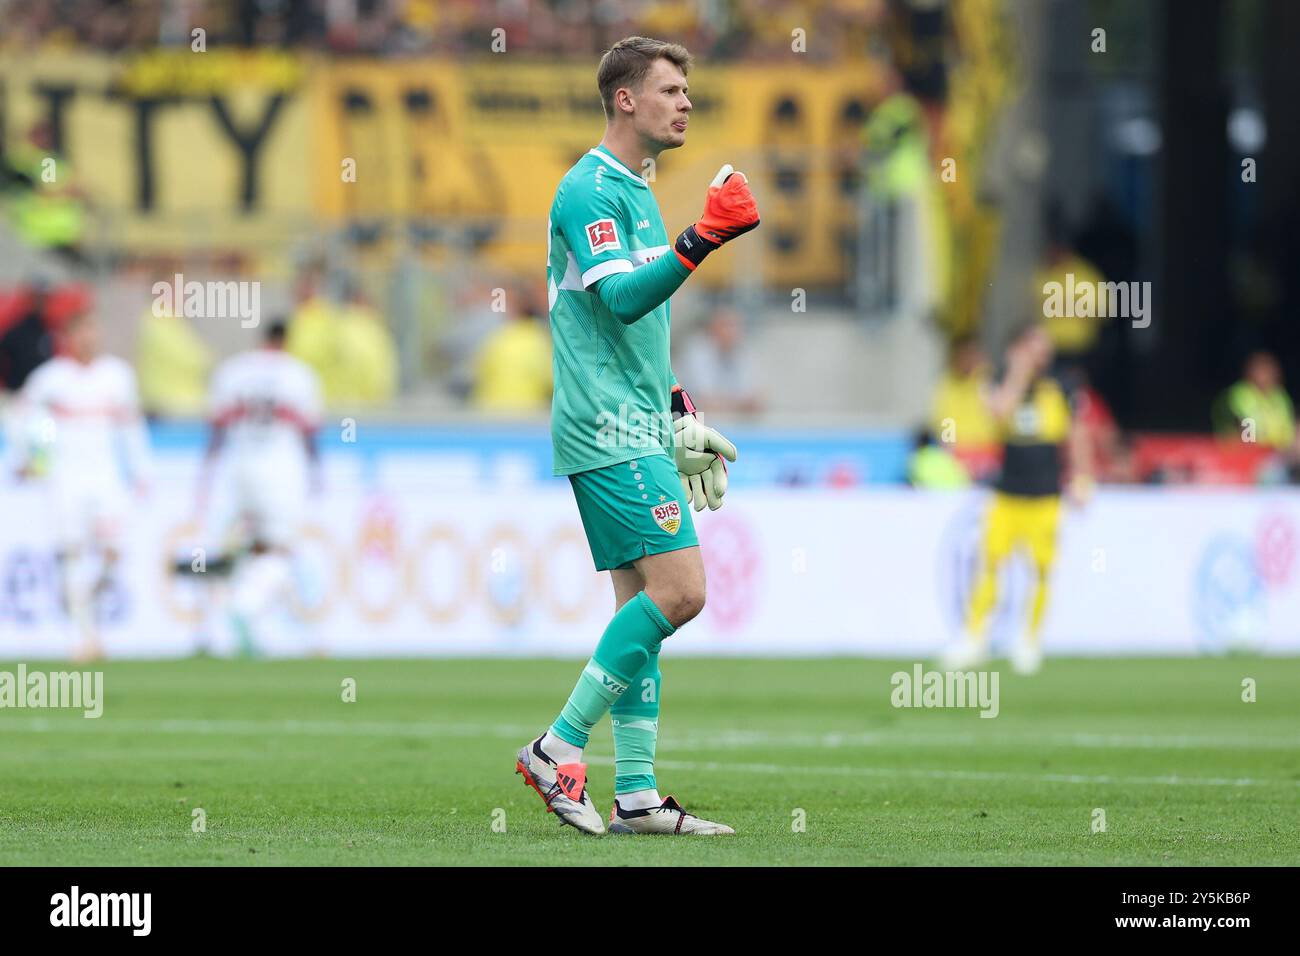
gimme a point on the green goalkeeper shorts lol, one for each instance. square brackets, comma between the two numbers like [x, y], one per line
[633, 509]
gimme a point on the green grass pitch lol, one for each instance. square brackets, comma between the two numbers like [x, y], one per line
[419, 770]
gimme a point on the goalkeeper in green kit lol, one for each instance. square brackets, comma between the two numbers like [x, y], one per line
[626, 434]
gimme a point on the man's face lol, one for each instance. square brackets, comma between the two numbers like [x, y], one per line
[968, 359]
[1263, 372]
[661, 106]
[82, 338]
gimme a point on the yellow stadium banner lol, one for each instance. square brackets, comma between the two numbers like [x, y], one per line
[252, 150]
[213, 155]
[488, 142]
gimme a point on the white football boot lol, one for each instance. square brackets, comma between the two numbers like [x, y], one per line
[668, 818]
[562, 787]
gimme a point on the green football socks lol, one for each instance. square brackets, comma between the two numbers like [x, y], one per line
[629, 643]
[635, 716]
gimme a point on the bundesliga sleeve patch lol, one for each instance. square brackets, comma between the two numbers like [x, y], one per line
[668, 516]
[601, 236]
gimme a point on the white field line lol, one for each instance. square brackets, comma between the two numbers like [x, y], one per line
[269, 728]
[790, 770]
[724, 739]
[735, 739]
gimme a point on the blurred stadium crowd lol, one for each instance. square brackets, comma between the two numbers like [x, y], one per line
[721, 29]
[912, 257]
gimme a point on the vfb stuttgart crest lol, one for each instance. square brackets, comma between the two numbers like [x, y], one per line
[668, 516]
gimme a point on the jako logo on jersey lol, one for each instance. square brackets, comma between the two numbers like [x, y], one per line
[668, 516]
[643, 224]
[601, 236]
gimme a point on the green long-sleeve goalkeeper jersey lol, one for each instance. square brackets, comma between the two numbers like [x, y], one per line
[609, 271]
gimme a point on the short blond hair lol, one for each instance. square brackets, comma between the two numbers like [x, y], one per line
[628, 61]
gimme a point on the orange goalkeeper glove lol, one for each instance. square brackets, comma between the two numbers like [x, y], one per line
[729, 211]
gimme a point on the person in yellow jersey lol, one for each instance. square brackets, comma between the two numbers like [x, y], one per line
[1035, 426]
[1073, 333]
[958, 413]
[365, 351]
[45, 206]
[512, 370]
[314, 333]
[172, 364]
[1258, 408]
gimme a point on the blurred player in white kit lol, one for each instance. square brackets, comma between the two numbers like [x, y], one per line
[83, 433]
[264, 407]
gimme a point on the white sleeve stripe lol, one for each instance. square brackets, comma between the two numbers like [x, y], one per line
[642, 257]
[607, 268]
